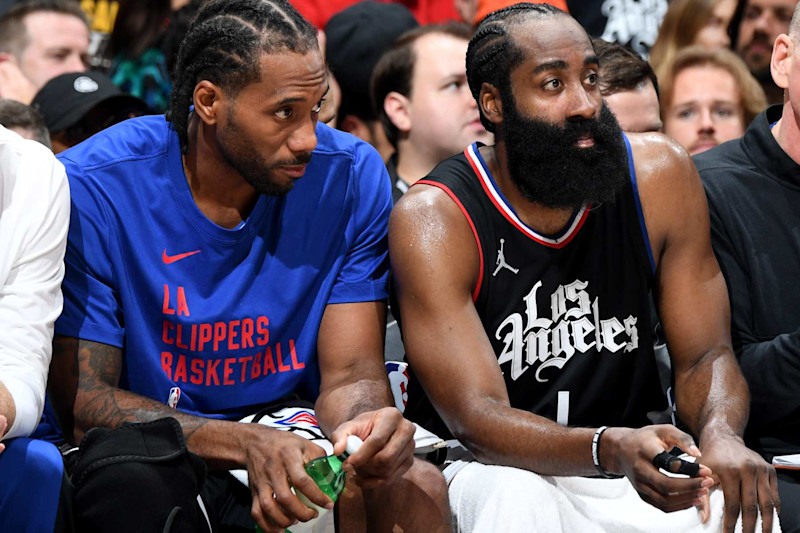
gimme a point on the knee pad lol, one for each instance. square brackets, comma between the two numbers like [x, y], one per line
[138, 478]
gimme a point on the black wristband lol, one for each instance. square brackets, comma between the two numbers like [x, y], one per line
[596, 455]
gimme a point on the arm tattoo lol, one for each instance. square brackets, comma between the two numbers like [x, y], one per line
[102, 403]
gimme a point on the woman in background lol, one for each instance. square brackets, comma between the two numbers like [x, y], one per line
[691, 22]
[142, 45]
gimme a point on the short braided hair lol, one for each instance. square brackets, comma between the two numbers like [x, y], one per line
[224, 44]
[492, 53]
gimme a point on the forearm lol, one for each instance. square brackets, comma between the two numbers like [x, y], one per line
[712, 396]
[501, 435]
[344, 402]
[218, 442]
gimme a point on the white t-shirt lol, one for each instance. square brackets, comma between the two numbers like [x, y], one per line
[34, 217]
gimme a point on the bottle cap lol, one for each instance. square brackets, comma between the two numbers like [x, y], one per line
[353, 444]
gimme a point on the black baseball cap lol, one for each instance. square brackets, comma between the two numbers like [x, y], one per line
[66, 99]
[357, 37]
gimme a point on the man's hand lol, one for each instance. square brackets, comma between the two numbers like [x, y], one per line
[388, 449]
[275, 463]
[14, 85]
[748, 482]
[631, 452]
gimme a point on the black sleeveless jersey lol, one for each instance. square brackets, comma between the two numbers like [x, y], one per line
[568, 315]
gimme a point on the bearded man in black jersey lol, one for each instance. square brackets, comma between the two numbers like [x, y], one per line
[522, 272]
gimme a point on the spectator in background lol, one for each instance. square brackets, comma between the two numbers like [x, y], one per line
[420, 90]
[34, 215]
[138, 65]
[629, 87]
[753, 190]
[40, 39]
[78, 105]
[708, 97]
[688, 22]
[177, 27]
[138, 56]
[356, 39]
[24, 121]
[266, 223]
[753, 29]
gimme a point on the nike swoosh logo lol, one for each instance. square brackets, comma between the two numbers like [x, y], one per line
[169, 259]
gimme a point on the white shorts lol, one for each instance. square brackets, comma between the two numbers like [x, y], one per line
[488, 498]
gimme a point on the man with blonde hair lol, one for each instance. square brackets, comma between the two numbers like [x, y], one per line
[708, 97]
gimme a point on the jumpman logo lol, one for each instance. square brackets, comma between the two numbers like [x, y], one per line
[501, 261]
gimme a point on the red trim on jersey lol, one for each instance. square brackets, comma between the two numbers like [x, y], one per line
[452, 195]
[572, 231]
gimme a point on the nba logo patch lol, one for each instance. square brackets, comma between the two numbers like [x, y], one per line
[397, 372]
[174, 397]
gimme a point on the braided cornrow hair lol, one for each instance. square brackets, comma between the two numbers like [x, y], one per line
[492, 53]
[224, 44]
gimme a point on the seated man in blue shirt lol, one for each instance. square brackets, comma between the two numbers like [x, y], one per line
[232, 256]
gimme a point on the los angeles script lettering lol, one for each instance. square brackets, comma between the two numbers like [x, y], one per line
[186, 359]
[575, 326]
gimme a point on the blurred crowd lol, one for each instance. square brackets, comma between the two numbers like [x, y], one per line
[709, 61]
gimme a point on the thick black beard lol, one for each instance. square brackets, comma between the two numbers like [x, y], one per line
[548, 167]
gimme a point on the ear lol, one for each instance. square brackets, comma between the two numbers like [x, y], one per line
[398, 108]
[782, 60]
[355, 126]
[209, 102]
[491, 104]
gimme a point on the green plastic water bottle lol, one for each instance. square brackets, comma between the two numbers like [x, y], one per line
[330, 477]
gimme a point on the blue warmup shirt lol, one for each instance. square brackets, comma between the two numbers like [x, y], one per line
[213, 321]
